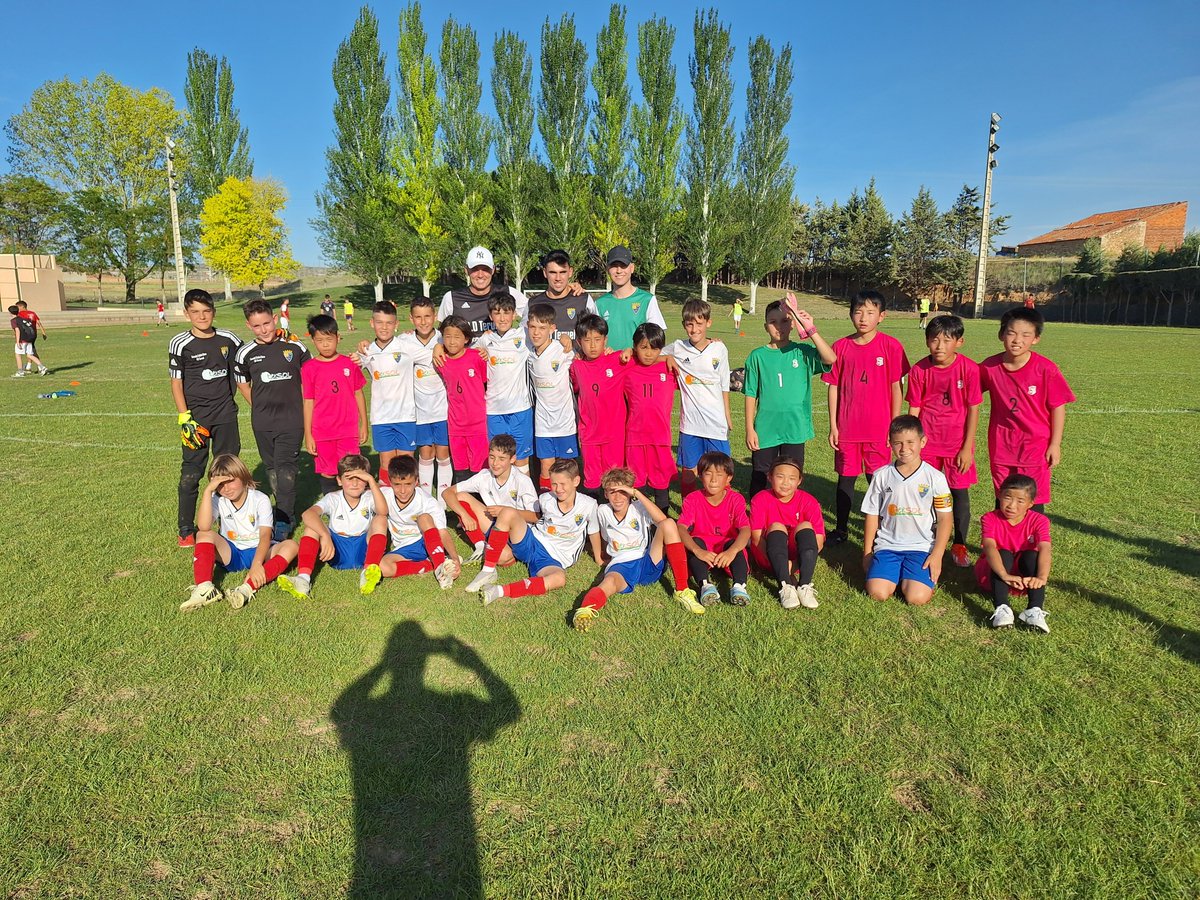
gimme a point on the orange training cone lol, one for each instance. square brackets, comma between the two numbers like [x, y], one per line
[145, 334]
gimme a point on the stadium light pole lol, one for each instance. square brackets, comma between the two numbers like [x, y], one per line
[984, 237]
[173, 190]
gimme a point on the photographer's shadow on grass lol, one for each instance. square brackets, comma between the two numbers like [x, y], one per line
[409, 746]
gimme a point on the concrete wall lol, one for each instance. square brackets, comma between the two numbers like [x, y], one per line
[35, 279]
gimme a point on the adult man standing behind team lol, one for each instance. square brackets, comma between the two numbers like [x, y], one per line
[626, 307]
[471, 302]
[562, 295]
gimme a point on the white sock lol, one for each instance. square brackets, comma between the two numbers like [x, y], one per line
[524, 470]
[445, 473]
[425, 479]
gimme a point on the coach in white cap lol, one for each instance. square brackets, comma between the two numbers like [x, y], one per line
[471, 302]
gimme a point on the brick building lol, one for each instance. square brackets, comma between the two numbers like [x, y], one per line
[1150, 227]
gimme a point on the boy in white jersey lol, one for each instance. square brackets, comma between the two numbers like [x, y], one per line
[908, 511]
[566, 519]
[417, 525]
[509, 402]
[497, 487]
[345, 529]
[549, 362]
[429, 391]
[640, 539]
[388, 364]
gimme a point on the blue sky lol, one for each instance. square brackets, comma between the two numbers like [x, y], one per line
[1101, 100]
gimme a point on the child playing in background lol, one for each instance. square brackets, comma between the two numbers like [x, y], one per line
[650, 389]
[335, 411]
[465, 376]
[599, 383]
[479, 499]
[864, 397]
[417, 525]
[943, 392]
[234, 522]
[715, 530]
[549, 365]
[787, 532]
[1016, 553]
[509, 402]
[389, 368]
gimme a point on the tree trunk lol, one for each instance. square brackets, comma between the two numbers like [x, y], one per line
[228, 288]
[99, 289]
[753, 296]
[704, 289]
[379, 290]
[653, 288]
[427, 286]
[130, 290]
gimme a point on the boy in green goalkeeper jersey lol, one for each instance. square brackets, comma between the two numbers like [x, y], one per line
[625, 307]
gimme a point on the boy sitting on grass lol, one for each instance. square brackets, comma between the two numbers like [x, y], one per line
[1016, 553]
[715, 530]
[479, 500]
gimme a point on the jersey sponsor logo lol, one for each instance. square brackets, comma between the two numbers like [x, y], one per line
[268, 377]
[214, 374]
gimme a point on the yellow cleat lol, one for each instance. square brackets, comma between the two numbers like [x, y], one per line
[368, 579]
[582, 620]
[687, 599]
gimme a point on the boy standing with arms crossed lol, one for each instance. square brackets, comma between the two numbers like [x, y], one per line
[864, 397]
[335, 411]
[429, 392]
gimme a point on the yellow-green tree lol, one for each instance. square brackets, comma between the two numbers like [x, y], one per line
[241, 232]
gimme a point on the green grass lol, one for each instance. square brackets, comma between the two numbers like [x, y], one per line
[415, 743]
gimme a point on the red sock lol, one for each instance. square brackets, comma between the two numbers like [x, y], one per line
[496, 543]
[203, 558]
[307, 560]
[412, 567]
[544, 483]
[677, 560]
[594, 598]
[474, 535]
[530, 587]
[433, 546]
[272, 569]
[376, 547]
[383, 477]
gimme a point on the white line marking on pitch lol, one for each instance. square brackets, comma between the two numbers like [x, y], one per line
[86, 415]
[25, 440]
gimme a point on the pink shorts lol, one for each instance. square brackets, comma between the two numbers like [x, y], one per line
[945, 464]
[1040, 474]
[469, 452]
[861, 457]
[983, 577]
[652, 463]
[598, 459]
[330, 453]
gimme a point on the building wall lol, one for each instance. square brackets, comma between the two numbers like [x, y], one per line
[35, 279]
[1166, 229]
[1056, 248]
[1120, 238]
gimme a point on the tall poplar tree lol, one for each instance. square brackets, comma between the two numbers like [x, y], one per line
[609, 144]
[709, 230]
[656, 125]
[359, 225]
[763, 196]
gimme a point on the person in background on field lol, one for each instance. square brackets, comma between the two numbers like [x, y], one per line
[348, 313]
[160, 313]
[24, 335]
[736, 312]
[335, 411]
[29, 315]
[1029, 303]
[923, 308]
[327, 306]
[285, 318]
[1016, 554]
[626, 306]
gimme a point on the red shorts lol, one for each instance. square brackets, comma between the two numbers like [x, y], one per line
[954, 478]
[330, 453]
[653, 463]
[983, 577]
[1039, 473]
[598, 459]
[861, 457]
[469, 451]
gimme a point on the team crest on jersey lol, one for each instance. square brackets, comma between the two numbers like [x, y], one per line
[922, 489]
[636, 525]
[554, 365]
[396, 357]
[513, 494]
[517, 343]
[570, 312]
[365, 513]
[1032, 389]
[224, 351]
[578, 518]
[879, 360]
[287, 355]
[716, 363]
[636, 307]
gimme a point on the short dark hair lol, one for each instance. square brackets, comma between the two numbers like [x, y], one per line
[402, 467]
[322, 324]
[772, 306]
[256, 306]
[22, 304]
[387, 307]
[1021, 314]
[542, 312]
[1018, 482]
[353, 462]
[456, 321]
[696, 309]
[950, 326]
[786, 461]
[561, 257]
[422, 302]
[715, 459]
[590, 324]
[502, 301]
[14, 309]
[905, 423]
[651, 333]
[862, 298]
[200, 296]
[565, 467]
[505, 443]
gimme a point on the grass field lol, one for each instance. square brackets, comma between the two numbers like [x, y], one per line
[416, 744]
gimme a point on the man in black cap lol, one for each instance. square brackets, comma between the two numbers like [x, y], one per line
[626, 307]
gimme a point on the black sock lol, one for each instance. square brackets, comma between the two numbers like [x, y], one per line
[845, 500]
[999, 585]
[739, 569]
[662, 499]
[758, 482]
[697, 567]
[1027, 565]
[962, 514]
[328, 484]
[777, 552]
[806, 549]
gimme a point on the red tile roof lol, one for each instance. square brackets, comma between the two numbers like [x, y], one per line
[1101, 224]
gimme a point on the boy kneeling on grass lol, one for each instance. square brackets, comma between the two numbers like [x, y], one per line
[1016, 553]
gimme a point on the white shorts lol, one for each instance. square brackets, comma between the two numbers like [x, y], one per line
[23, 348]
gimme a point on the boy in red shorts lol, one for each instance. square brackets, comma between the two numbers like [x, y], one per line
[650, 398]
[335, 411]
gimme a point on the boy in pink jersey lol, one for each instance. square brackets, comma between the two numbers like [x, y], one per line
[649, 399]
[1016, 553]
[466, 382]
[1029, 398]
[943, 392]
[599, 384]
[715, 530]
[786, 527]
[864, 397]
[335, 411]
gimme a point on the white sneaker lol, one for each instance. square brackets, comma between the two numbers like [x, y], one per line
[297, 586]
[788, 598]
[240, 595]
[477, 556]
[482, 580]
[446, 573]
[1003, 616]
[1035, 617]
[202, 595]
[20, 373]
[492, 593]
[807, 595]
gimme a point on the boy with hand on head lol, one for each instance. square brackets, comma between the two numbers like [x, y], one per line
[650, 388]
[598, 380]
[787, 532]
[634, 557]
[429, 391]
[389, 368]
[548, 543]
[346, 529]
[479, 499]
[1016, 553]
[908, 520]
[200, 361]
[943, 392]
[509, 403]
[417, 524]
[267, 372]
[335, 411]
[715, 530]
[864, 397]
[1029, 398]
[778, 388]
[549, 365]
[464, 375]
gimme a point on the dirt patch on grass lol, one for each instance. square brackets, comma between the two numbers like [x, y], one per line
[283, 831]
[611, 667]
[908, 796]
[159, 871]
[579, 744]
[662, 786]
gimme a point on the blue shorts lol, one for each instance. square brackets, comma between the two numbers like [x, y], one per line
[519, 425]
[240, 560]
[433, 434]
[691, 448]
[566, 447]
[348, 552]
[531, 551]
[638, 571]
[394, 436]
[900, 565]
[414, 552]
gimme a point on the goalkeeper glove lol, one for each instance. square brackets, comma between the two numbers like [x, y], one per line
[191, 433]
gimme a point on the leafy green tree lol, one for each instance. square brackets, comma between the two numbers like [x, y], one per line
[32, 215]
[241, 231]
[656, 125]
[609, 145]
[359, 227]
[709, 231]
[922, 246]
[562, 122]
[1092, 259]
[1133, 258]
[866, 244]
[762, 199]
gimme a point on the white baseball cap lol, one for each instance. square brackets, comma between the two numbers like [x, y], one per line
[480, 256]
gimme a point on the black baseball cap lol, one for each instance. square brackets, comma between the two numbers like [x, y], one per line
[620, 254]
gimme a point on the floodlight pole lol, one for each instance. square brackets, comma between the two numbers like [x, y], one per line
[180, 274]
[984, 236]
